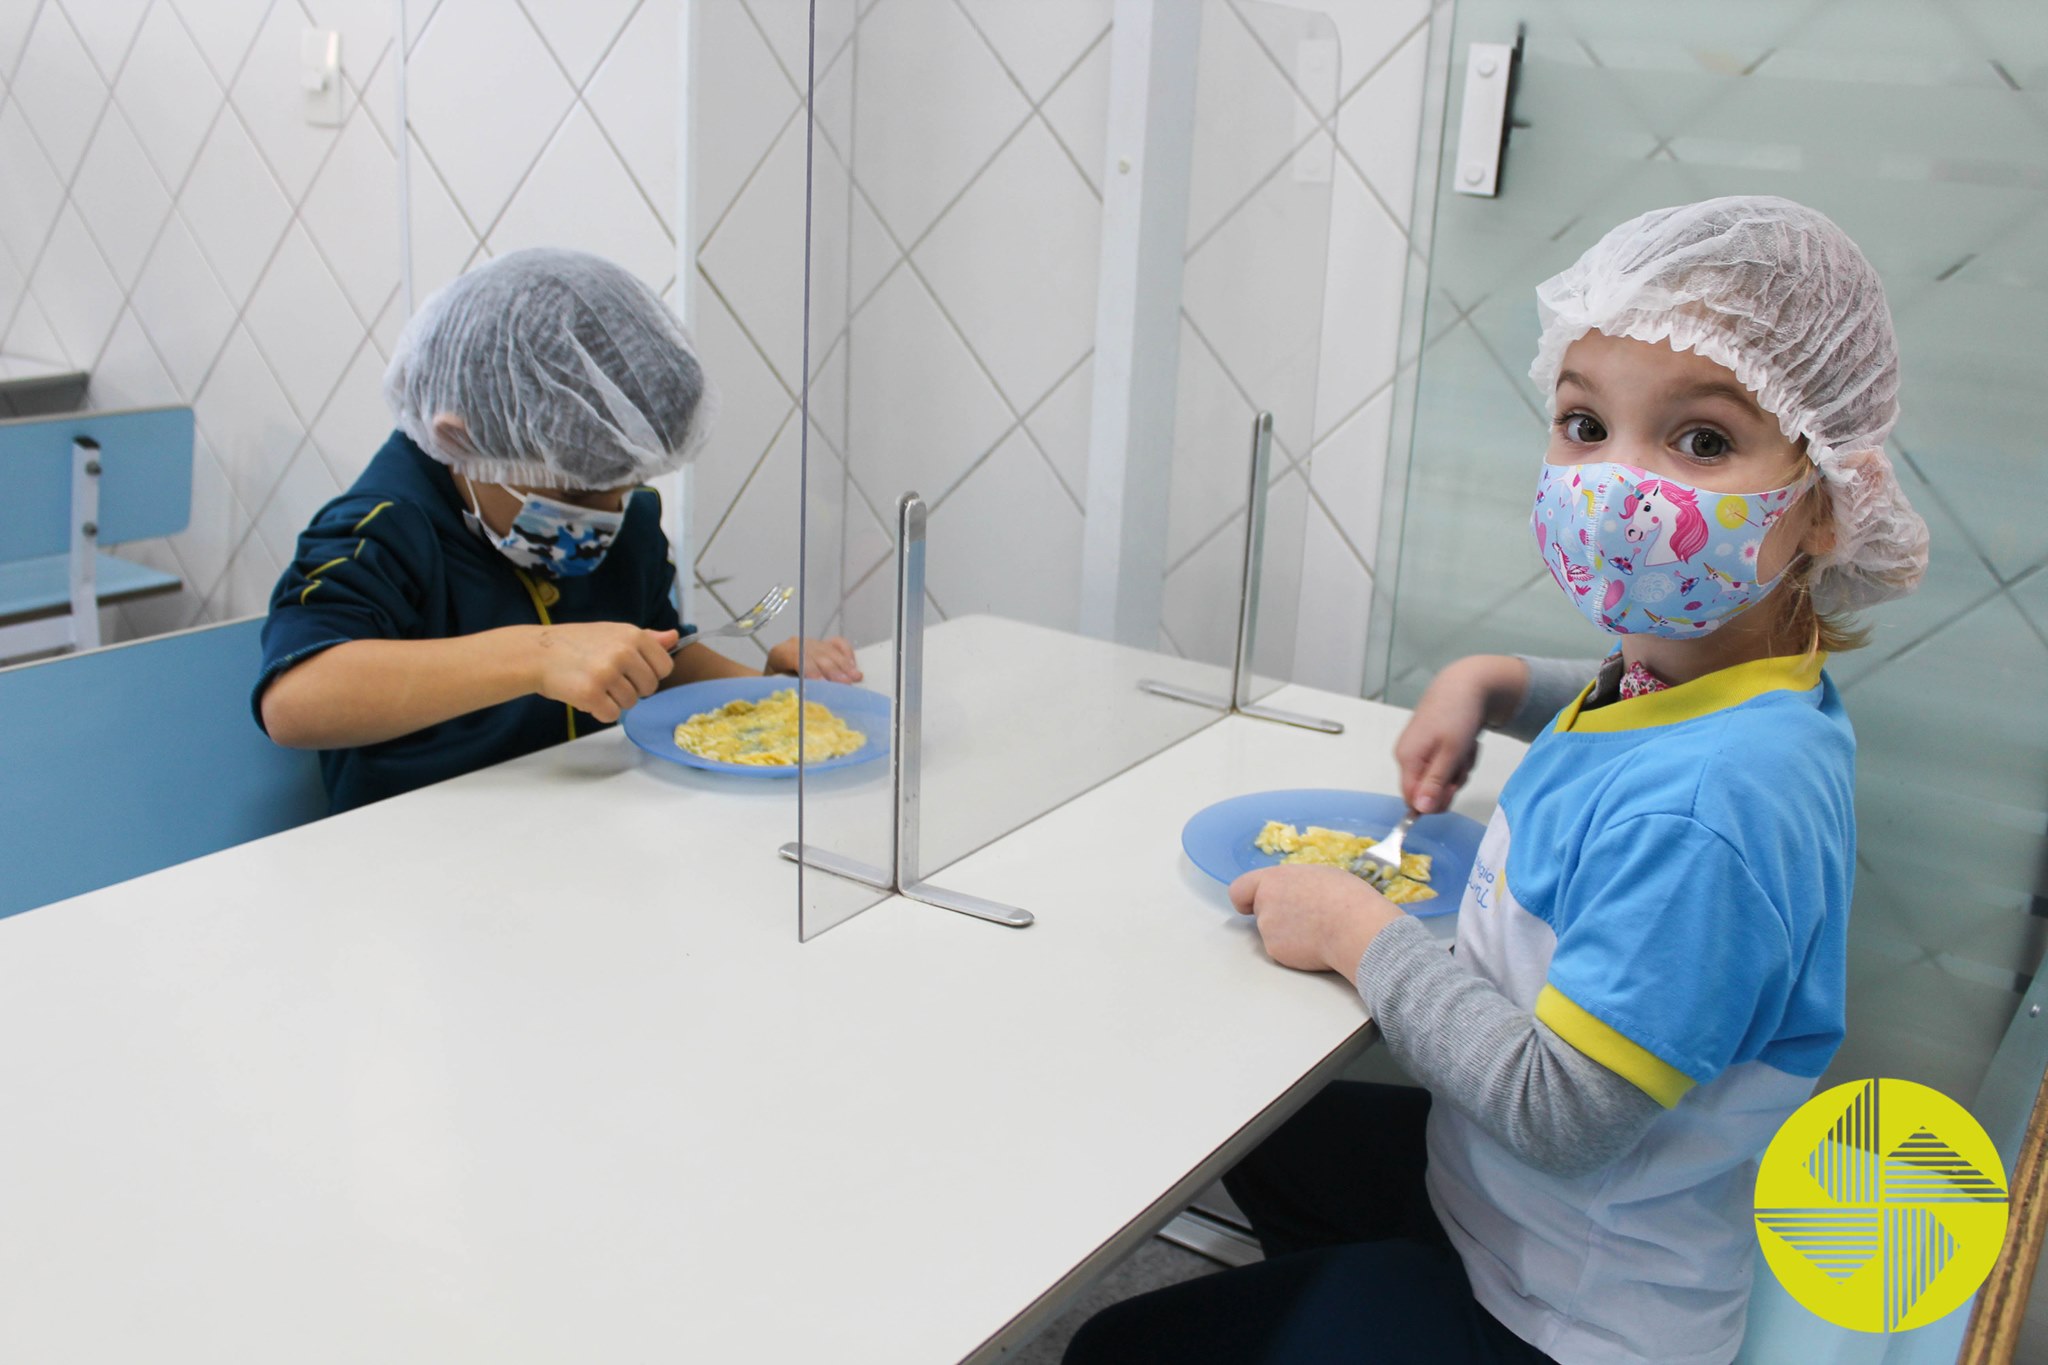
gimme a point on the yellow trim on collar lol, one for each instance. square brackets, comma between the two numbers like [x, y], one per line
[1626, 1058]
[1717, 691]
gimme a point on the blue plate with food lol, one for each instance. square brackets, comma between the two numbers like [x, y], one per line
[747, 726]
[1331, 827]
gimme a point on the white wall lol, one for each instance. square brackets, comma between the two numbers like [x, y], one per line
[170, 223]
[959, 181]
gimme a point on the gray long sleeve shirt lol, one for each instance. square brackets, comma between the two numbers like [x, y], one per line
[1547, 1102]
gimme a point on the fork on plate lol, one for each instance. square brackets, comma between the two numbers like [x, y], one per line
[1381, 863]
[746, 623]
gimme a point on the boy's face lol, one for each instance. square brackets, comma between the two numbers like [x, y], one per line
[1680, 416]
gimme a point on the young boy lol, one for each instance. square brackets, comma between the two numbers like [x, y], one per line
[497, 580]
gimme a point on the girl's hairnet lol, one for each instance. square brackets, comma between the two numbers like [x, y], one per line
[1778, 294]
[565, 370]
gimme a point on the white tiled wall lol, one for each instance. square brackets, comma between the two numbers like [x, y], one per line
[170, 222]
[960, 166]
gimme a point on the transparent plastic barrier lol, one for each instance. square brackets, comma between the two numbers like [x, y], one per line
[1923, 130]
[955, 254]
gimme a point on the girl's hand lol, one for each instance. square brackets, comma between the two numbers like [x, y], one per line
[600, 667]
[1313, 919]
[830, 659]
[1437, 749]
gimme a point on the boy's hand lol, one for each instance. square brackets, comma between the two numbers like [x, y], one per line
[601, 667]
[830, 659]
[1437, 749]
[1313, 919]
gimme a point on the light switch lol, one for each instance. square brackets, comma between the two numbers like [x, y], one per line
[320, 76]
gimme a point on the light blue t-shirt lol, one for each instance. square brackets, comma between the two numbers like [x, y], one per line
[1665, 884]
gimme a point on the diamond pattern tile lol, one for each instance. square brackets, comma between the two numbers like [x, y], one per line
[1255, 289]
[1200, 607]
[1336, 591]
[747, 259]
[581, 32]
[182, 306]
[357, 185]
[983, 557]
[245, 587]
[13, 284]
[107, 29]
[1078, 110]
[355, 423]
[1381, 121]
[1032, 317]
[917, 56]
[77, 290]
[579, 192]
[59, 89]
[1060, 424]
[168, 93]
[634, 96]
[234, 206]
[739, 77]
[121, 199]
[753, 408]
[129, 373]
[218, 521]
[224, 30]
[443, 242]
[16, 18]
[248, 420]
[923, 410]
[302, 322]
[484, 92]
[31, 335]
[785, 23]
[1040, 43]
[304, 488]
[1246, 114]
[34, 193]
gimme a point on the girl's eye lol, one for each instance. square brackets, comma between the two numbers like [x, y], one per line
[1580, 429]
[1704, 443]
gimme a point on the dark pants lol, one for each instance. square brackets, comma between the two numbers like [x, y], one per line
[1358, 1269]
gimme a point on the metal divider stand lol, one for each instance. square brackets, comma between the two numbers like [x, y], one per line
[1238, 702]
[905, 737]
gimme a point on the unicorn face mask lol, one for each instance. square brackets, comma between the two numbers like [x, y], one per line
[556, 539]
[1640, 555]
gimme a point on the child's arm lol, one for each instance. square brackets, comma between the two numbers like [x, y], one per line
[1548, 1103]
[1509, 693]
[829, 659]
[367, 691]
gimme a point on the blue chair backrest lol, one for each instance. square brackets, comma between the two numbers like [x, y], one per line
[121, 761]
[145, 480]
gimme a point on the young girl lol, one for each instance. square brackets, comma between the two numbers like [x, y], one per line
[497, 580]
[1650, 962]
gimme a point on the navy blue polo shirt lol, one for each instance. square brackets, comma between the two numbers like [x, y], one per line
[391, 559]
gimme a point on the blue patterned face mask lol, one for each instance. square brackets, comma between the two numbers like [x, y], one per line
[557, 539]
[1640, 555]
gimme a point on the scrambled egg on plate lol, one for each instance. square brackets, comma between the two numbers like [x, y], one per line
[1335, 848]
[763, 733]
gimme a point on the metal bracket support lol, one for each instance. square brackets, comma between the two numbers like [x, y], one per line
[906, 718]
[85, 533]
[1238, 702]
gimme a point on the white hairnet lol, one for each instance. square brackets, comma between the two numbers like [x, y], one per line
[1778, 294]
[566, 370]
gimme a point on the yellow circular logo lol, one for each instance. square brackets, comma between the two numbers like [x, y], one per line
[1881, 1205]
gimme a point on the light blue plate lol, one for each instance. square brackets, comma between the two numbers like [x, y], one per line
[652, 723]
[1220, 839]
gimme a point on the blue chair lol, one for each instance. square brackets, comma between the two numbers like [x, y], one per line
[133, 758]
[76, 483]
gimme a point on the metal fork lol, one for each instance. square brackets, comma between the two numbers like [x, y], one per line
[1381, 863]
[747, 622]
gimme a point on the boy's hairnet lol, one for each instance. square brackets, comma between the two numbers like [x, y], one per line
[1778, 294]
[565, 369]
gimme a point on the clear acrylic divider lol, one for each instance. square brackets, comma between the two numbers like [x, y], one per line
[957, 300]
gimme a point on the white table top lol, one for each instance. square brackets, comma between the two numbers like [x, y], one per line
[531, 1067]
